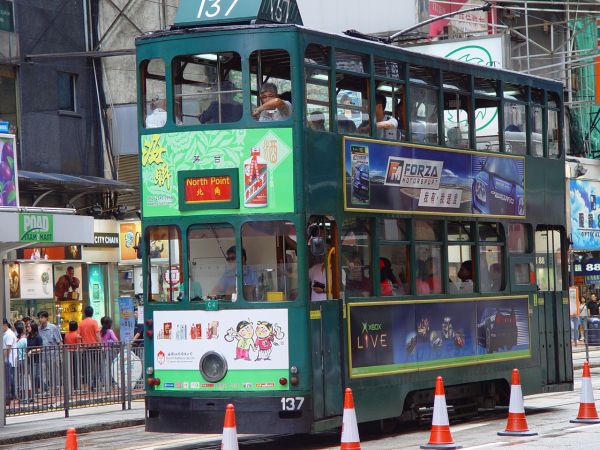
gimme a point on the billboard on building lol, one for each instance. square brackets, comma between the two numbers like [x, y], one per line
[584, 196]
[470, 22]
[9, 188]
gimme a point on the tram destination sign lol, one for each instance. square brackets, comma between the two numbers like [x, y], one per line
[209, 12]
[412, 179]
[208, 189]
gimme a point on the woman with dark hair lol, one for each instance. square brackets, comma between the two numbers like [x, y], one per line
[34, 348]
[20, 374]
[107, 335]
[108, 338]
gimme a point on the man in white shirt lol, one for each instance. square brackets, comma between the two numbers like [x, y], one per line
[272, 107]
[158, 117]
[9, 343]
[387, 126]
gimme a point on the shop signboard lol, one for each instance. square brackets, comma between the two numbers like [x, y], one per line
[14, 280]
[262, 160]
[253, 342]
[129, 234]
[127, 320]
[9, 187]
[396, 337]
[36, 281]
[412, 179]
[36, 227]
[584, 199]
[70, 252]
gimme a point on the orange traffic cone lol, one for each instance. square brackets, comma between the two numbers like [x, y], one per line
[229, 441]
[71, 443]
[350, 439]
[587, 405]
[517, 424]
[440, 426]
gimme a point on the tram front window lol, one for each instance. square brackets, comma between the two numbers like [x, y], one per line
[164, 251]
[212, 262]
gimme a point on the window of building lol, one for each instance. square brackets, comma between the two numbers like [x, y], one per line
[428, 251]
[269, 261]
[353, 104]
[207, 88]
[271, 85]
[515, 128]
[67, 83]
[461, 253]
[154, 93]
[356, 257]
[318, 107]
[8, 97]
[165, 274]
[212, 272]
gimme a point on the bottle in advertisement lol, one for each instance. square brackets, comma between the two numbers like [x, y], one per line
[255, 180]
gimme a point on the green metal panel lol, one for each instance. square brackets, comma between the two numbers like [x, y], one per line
[331, 345]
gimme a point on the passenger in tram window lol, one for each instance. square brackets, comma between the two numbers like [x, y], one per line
[230, 110]
[316, 121]
[272, 107]
[345, 125]
[158, 117]
[423, 278]
[495, 276]
[358, 283]
[388, 281]
[226, 285]
[387, 126]
[464, 284]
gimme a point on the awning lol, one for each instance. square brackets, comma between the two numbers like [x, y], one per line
[38, 181]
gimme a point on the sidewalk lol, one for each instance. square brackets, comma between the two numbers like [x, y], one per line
[579, 356]
[85, 420]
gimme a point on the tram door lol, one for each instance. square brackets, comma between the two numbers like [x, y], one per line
[325, 317]
[553, 307]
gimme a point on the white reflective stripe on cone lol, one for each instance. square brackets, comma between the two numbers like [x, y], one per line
[587, 392]
[349, 426]
[516, 399]
[440, 412]
[229, 441]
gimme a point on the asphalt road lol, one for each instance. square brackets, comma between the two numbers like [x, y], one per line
[548, 414]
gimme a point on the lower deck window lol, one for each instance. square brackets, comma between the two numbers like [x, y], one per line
[164, 259]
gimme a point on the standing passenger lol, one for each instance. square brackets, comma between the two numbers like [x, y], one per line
[272, 107]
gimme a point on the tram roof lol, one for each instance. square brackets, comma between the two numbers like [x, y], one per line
[467, 67]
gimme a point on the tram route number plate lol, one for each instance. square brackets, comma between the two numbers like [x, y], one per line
[291, 403]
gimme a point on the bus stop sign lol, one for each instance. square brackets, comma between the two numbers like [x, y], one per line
[213, 12]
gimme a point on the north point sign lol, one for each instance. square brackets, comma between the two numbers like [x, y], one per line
[36, 228]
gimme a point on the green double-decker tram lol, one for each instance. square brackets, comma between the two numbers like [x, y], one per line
[322, 212]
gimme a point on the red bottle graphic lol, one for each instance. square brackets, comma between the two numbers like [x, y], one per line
[255, 180]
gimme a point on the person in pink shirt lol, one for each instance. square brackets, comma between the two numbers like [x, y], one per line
[107, 335]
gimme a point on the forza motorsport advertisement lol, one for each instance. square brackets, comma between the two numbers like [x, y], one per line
[252, 346]
[585, 214]
[405, 337]
[398, 177]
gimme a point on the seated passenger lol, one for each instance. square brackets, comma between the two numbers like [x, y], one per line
[513, 127]
[272, 107]
[345, 125]
[227, 284]
[230, 110]
[158, 117]
[387, 126]
[464, 283]
[316, 121]
[388, 281]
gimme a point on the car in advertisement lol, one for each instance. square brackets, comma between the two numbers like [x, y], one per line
[360, 182]
[497, 329]
[498, 188]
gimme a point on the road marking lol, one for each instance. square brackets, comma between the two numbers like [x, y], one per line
[469, 426]
[491, 444]
[583, 427]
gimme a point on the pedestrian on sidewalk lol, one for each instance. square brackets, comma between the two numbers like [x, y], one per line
[73, 341]
[21, 374]
[583, 318]
[34, 349]
[593, 306]
[90, 338]
[51, 354]
[9, 343]
[109, 339]
[574, 321]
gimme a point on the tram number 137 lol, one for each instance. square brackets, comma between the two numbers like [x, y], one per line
[291, 403]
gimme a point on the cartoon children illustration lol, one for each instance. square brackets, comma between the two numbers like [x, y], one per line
[243, 333]
[266, 334]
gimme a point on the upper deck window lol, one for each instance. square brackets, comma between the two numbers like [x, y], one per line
[154, 93]
[207, 88]
[353, 104]
[389, 69]
[515, 92]
[423, 108]
[318, 107]
[352, 62]
[554, 135]
[317, 54]
[271, 85]
[486, 114]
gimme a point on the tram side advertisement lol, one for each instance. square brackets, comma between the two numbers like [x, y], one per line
[406, 337]
[255, 349]
[263, 160]
[394, 177]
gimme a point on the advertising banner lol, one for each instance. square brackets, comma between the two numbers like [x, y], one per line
[584, 198]
[127, 323]
[262, 157]
[396, 337]
[9, 192]
[96, 286]
[36, 281]
[255, 348]
[406, 178]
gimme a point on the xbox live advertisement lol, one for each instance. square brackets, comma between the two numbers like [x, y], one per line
[261, 158]
[406, 178]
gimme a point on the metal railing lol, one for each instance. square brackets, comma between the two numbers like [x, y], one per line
[55, 378]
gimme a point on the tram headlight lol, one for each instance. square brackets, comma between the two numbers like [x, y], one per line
[213, 367]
